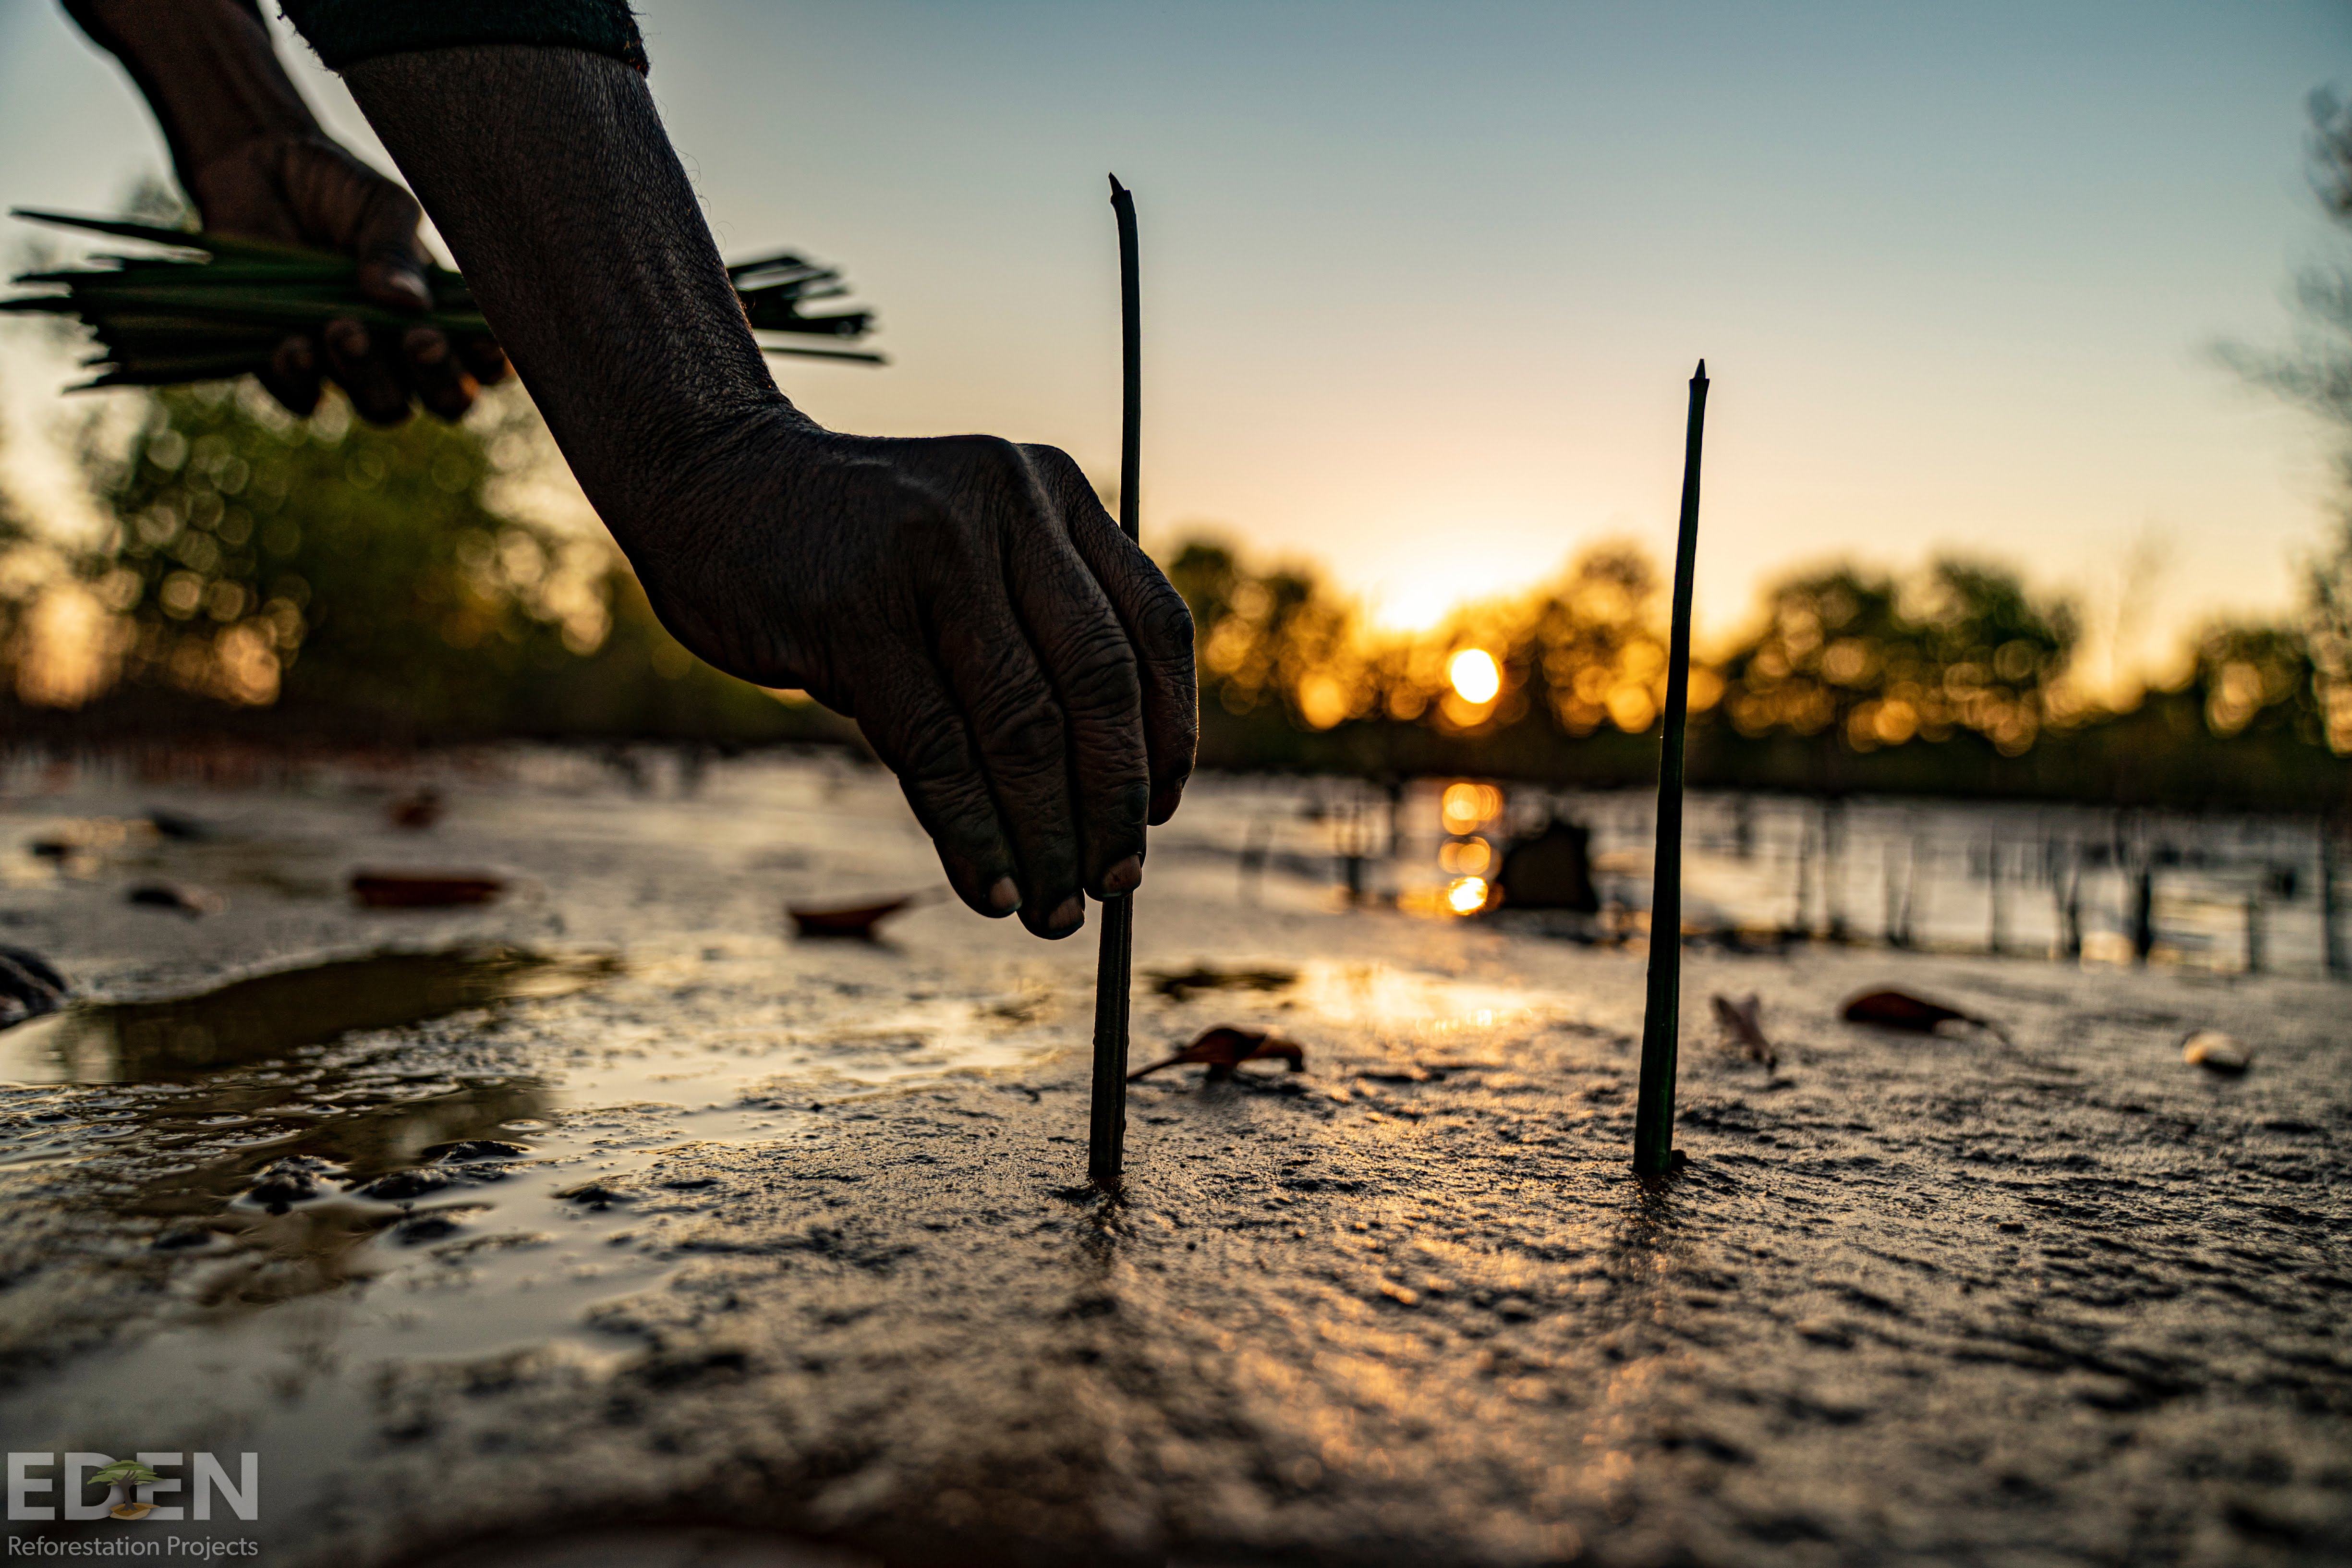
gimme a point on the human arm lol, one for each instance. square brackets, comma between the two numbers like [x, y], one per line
[1009, 653]
[253, 159]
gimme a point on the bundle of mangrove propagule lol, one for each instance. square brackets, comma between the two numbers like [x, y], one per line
[217, 307]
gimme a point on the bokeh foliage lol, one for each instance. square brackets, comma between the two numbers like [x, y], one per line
[329, 579]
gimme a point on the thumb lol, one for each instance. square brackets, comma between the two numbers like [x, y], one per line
[392, 264]
[358, 212]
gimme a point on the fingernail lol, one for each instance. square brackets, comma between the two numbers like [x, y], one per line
[1125, 876]
[1003, 897]
[1072, 914]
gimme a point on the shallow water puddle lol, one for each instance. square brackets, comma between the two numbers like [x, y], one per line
[382, 1159]
[275, 1158]
[250, 1020]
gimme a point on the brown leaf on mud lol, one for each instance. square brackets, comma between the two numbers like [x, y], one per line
[856, 922]
[1179, 987]
[419, 810]
[1742, 1023]
[1914, 1015]
[1225, 1047]
[2216, 1053]
[185, 897]
[424, 889]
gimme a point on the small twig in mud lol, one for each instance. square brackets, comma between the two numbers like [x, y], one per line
[1914, 1015]
[1743, 1025]
[1224, 1047]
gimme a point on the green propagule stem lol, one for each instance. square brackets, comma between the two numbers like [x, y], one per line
[1654, 1113]
[1106, 1126]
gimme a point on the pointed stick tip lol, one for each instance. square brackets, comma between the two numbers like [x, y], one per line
[1116, 190]
[1701, 372]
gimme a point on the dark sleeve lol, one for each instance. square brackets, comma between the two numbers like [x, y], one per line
[345, 32]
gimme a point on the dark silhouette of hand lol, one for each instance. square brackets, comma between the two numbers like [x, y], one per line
[1019, 663]
[1016, 660]
[252, 157]
[301, 188]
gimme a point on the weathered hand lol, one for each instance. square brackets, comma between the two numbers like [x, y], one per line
[301, 188]
[251, 156]
[1019, 663]
[1015, 658]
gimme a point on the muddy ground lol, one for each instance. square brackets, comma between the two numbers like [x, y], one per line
[789, 1238]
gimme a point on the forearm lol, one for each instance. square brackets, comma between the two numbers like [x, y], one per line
[207, 71]
[549, 174]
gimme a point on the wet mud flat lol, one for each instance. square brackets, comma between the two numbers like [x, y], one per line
[664, 1221]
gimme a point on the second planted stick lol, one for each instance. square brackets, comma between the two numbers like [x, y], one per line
[1107, 1124]
[1654, 1112]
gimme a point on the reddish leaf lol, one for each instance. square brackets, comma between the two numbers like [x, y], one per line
[424, 889]
[1915, 1015]
[1224, 1047]
[856, 922]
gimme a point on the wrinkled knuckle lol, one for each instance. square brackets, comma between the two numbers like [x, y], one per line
[1020, 723]
[932, 758]
[1166, 625]
[1099, 675]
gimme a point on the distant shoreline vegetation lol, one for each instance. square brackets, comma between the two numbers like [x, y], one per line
[328, 582]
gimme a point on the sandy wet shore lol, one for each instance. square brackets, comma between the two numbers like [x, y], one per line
[792, 1237]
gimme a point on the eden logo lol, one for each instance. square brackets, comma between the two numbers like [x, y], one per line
[132, 1486]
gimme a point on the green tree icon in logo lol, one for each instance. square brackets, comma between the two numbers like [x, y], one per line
[121, 1475]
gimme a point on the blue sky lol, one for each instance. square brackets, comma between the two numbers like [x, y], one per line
[1423, 282]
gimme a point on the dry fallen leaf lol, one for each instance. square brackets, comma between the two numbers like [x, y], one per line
[2216, 1052]
[1225, 1047]
[1915, 1015]
[424, 889]
[854, 921]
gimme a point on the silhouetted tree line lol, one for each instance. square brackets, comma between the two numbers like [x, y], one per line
[1850, 682]
[333, 582]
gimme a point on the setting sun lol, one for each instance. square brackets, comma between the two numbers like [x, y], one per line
[1469, 896]
[1476, 679]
